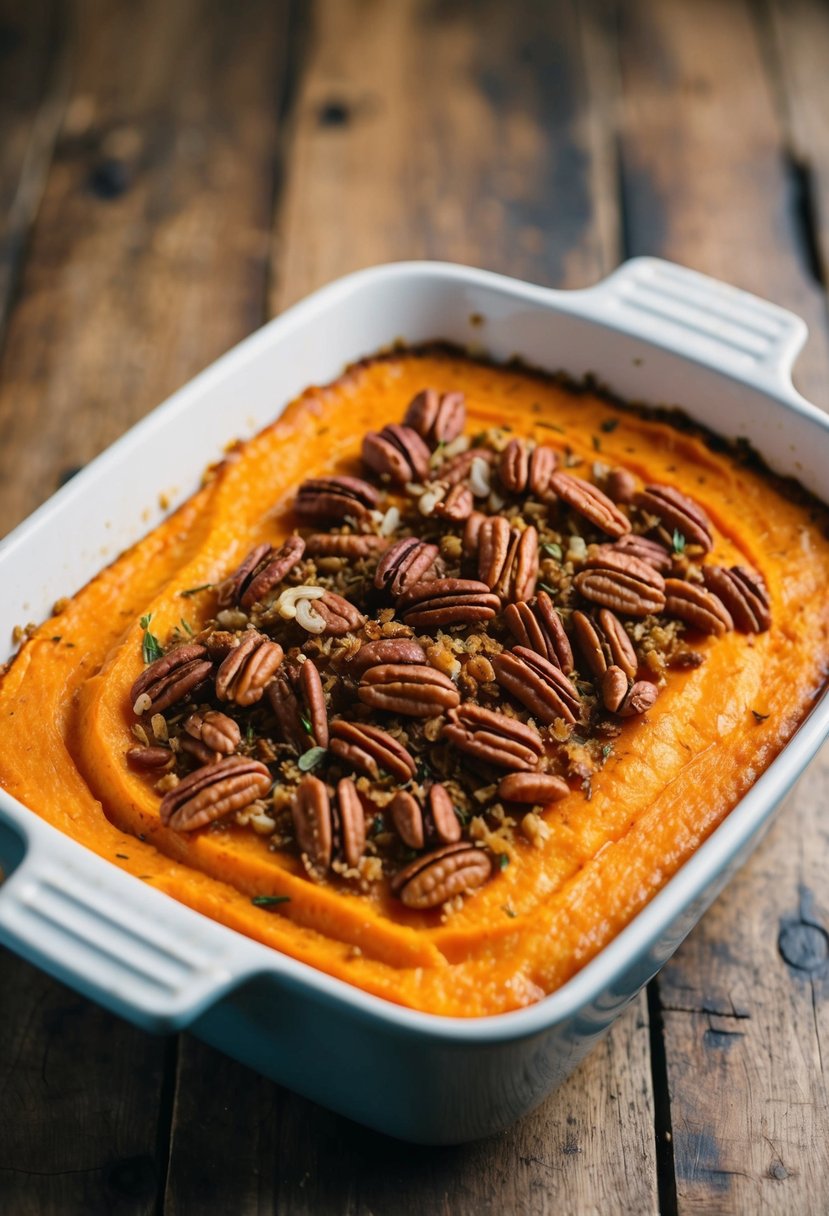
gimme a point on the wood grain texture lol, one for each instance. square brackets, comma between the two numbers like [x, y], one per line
[471, 132]
[589, 1149]
[149, 257]
[745, 1032]
[34, 81]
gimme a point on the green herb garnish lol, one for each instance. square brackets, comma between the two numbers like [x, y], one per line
[758, 717]
[503, 861]
[195, 590]
[269, 901]
[678, 541]
[608, 425]
[597, 443]
[553, 550]
[186, 626]
[546, 587]
[506, 908]
[151, 648]
[306, 724]
[310, 759]
[551, 426]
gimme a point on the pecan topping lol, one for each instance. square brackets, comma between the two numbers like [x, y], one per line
[521, 468]
[493, 737]
[508, 559]
[457, 505]
[604, 643]
[148, 759]
[370, 749]
[339, 615]
[439, 876]
[263, 569]
[614, 685]
[444, 821]
[540, 788]
[336, 498]
[639, 700]
[677, 513]
[387, 650]
[621, 485]
[214, 791]
[311, 814]
[472, 533]
[621, 582]
[327, 544]
[407, 818]
[649, 551]
[401, 688]
[538, 627]
[589, 501]
[700, 609]
[349, 822]
[744, 594]
[458, 469]
[282, 694]
[447, 601]
[248, 669]
[216, 730]
[538, 684]
[416, 826]
[397, 452]
[437, 417]
[170, 679]
[404, 565]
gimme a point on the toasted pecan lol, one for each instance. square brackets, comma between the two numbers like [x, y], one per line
[538, 684]
[170, 679]
[429, 881]
[538, 626]
[436, 603]
[248, 668]
[621, 582]
[397, 452]
[744, 594]
[492, 737]
[408, 689]
[590, 502]
[336, 498]
[533, 788]
[404, 565]
[697, 607]
[214, 791]
[370, 749]
[677, 513]
[437, 417]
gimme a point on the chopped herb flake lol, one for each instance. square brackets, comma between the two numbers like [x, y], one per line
[509, 911]
[151, 648]
[758, 717]
[551, 426]
[608, 425]
[186, 626]
[503, 861]
[306, 724]
[678, 541]
[553, 550]
[310, 759]
[269, 901]
[597, 443]
[606, 750]
[546, 587]
[195, 590]
[122, 856]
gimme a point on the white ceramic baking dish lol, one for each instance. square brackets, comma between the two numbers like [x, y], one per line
[652, 332]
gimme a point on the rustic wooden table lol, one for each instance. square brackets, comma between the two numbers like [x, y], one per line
[172, 174]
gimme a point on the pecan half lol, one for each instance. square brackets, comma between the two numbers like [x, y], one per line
[604, 643]
[541, 788]
[349, 823]
[404, 565]
[538, 684]
[744, 594]
[149, 759]
[453, 471]
[508, 559]
[639, 699]
[248, 669]
[472, 533]
[369, 749]
[447, 601]
[214, 791]
[621, 582]
[437, 417]
[677, 513]
[340, 616]
[415, 825]
[430, 881]
[170, 679]
[387, 650]
[444, 821]
[649, 551]
[263, 569]
[699, 608]
[216, 730]
[492, 737]
[614, 686]
[329, 544]
[407, 819]
[402, 688]
[457, 505]
[311, 815]
[397, 452]
[336, 499]
[284, 693]
[620, 485]
[538, 627]
[590, 502]
[522, 468]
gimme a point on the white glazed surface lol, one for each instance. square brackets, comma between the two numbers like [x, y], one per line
[652, 332]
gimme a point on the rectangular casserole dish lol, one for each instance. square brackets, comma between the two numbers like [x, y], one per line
[652, 332]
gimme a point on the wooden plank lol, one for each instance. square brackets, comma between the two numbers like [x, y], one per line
[463, 131]
[275, 1151]
[34, 75]
[745, 1030]
[150, 254]
[148, 259]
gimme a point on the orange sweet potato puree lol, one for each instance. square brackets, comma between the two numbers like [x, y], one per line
[672, 777]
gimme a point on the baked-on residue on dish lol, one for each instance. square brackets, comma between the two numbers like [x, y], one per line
[432, 690]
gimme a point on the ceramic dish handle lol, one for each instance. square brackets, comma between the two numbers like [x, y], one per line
[712, 322]
[125, 945]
